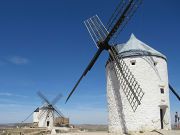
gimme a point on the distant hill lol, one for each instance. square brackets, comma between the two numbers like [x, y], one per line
[12, 125]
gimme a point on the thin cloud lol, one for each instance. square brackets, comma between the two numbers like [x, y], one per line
[18, 60]
[5, 94]
[11, 105]
[11, 94]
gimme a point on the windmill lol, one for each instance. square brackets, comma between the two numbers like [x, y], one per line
[47, 112]
[48, 115]
[103, 38]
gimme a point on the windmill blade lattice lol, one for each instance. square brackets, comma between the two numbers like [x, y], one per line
[96, 29]
[114, 16]
[128, 82]
[120, 18]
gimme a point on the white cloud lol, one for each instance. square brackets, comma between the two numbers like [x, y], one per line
[5, 94]
[11, 94]
[18, 60]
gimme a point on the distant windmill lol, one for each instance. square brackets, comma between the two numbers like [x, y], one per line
[48, 115]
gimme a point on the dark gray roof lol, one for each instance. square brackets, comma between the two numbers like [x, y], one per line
[37, 110]
[135, 47]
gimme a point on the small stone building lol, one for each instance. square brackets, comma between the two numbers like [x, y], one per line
[61, 121]
[150, 70]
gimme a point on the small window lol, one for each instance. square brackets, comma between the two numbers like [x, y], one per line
[155, 63]
[133, 62]
[162, 90]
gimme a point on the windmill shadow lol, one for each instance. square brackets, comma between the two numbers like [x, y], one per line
[157, 132]
[118, 100]
[150, 60]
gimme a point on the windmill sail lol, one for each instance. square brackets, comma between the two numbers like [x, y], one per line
[43, 97]
[96, 29]
[50, 105]
[88, 68]
[121, 17]
[101, 37]
[174, 92]
[128, 82]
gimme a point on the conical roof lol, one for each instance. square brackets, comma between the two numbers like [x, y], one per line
[135, 47]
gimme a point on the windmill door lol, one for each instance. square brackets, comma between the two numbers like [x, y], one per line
[161, 117]
[47, 123]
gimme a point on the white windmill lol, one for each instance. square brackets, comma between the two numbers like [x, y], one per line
[45, 115]
[48, 116]
[150, 69]
[128, 86]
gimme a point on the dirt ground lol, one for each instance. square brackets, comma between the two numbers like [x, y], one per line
[173, 132]
[37, 131]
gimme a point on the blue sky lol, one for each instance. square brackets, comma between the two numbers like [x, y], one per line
[45, 46]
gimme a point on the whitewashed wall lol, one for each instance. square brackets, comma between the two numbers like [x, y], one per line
[147, 116]
[35, 117]
[43, 119]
